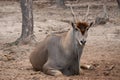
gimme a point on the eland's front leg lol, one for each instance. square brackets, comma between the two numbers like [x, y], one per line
[51, 71]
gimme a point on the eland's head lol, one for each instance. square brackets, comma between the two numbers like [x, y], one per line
[80, 27]
[81, 31]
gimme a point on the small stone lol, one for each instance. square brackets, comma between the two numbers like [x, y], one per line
[106, 73]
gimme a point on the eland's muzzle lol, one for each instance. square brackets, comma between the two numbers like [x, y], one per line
[83, 42]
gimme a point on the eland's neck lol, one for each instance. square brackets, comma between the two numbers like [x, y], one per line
[69, 40]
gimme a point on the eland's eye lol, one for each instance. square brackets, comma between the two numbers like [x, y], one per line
[76, 29]
[87, 29]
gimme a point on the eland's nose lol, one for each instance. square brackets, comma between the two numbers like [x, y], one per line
[83, 42]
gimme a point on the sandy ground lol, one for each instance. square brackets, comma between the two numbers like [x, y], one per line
[102, 49]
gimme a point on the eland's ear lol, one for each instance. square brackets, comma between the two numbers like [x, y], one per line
[91, 24]
[73, 25]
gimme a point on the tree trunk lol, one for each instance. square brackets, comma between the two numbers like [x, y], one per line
[60, 3]
[118, 1]
[27, 21]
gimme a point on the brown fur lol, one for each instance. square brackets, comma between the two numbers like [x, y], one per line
[82, 26]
